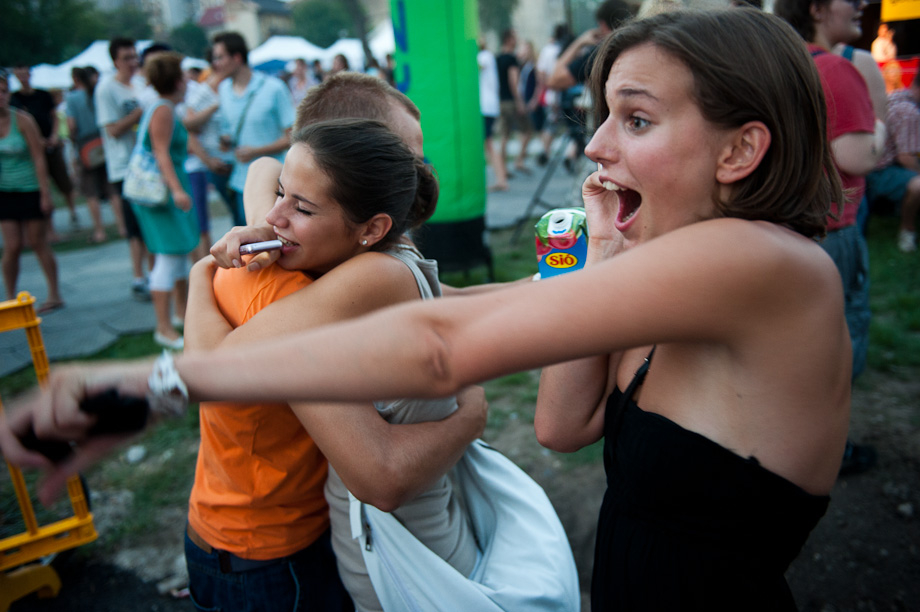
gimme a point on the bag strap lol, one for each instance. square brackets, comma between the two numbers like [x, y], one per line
[144, 128]
[253, 87]
[847, 53]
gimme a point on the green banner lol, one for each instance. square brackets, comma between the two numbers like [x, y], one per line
[436, 67]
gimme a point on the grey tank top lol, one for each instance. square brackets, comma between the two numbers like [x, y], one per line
[436, 517]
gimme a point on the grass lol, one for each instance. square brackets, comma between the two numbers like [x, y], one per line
[162, 481]
[894, 334]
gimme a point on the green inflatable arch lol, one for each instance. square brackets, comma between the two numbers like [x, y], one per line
[436, 67]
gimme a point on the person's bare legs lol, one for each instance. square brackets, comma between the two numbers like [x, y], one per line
[138, 251]
[118, 213]
[12, 250]
[95, 213]
[910, 206]
[546, 137]
[71, 205]
[522, 155]
[501, 174]
[160, 301]
[36, 230]
[503, 154]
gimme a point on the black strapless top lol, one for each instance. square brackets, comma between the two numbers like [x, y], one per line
[687, 524]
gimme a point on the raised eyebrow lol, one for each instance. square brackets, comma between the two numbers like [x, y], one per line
[631, 92]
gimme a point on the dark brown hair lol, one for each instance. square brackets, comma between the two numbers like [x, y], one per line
[118, 43]
[798, 14]
[748, 66]
[164, 71]
[234, 44]
[352, 94]
[372, 171]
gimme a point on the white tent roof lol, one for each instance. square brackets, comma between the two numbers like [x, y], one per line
[286, 49]
[48, 76]
[381, 40]
[349, 47]
[290, 48]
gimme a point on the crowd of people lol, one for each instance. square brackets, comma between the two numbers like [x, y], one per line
[227, 126]
[737, 155]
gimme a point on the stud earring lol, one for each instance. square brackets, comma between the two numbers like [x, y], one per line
[364, 242]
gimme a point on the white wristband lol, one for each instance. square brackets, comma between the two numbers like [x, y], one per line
[167, 393]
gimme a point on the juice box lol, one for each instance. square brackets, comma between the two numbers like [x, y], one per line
[561, 241]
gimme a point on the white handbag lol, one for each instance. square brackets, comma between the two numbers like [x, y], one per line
[144, 184]
[525, 561]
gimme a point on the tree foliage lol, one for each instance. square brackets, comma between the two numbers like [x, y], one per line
[495, 15]
[46, 31]
[322, 22]
[189, 39]
[359, 20]
[52, 31]
[130, 21]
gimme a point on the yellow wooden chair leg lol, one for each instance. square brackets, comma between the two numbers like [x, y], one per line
[35, 578]
[18, 553]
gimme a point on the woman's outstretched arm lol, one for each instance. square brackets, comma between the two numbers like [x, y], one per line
[706, 282]
[663, 291]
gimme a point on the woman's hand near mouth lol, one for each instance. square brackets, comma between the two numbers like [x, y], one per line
[601, 206]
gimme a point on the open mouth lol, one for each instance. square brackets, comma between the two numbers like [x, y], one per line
[630, 201]
[285, 241]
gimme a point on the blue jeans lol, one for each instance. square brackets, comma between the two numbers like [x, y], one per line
[306, 581]
[221, 183]
[847, 247]
[199, 184]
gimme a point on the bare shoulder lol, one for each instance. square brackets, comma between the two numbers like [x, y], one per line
[717, 275]
[24, 121]
[161, 119]
[374, 278]
[755, 252]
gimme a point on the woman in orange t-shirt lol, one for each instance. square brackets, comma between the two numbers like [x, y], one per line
[257, 505]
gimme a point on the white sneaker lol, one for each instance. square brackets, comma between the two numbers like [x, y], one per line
[907, 241]
[176, 345]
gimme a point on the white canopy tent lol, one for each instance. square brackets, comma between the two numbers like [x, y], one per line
[382, 41]
[285, 49]
[290, 48]
[349, 47]
[48, 76]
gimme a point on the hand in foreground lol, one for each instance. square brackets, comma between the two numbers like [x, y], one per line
[226, 251]
[53, 414]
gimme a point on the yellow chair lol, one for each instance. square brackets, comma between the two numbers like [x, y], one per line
[21, 569]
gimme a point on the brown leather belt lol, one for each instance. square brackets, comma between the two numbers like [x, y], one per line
[229, 563]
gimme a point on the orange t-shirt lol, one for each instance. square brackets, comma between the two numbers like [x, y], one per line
[259, 480]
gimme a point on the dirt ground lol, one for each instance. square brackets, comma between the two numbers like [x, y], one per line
[863, 556]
